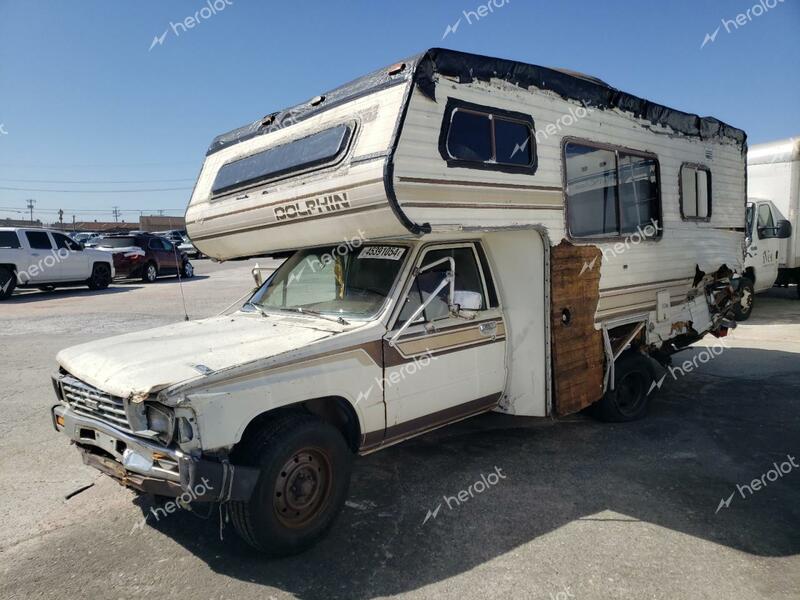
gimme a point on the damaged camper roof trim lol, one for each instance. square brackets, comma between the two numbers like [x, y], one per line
[589, 91]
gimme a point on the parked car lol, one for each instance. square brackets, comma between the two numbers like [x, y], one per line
[176, 236]
[46, 259]
[189, 248]
[145, 256]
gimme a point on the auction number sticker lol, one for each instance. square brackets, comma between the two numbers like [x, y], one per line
[384, 252]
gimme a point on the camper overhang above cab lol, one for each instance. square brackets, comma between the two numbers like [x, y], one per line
[395, 154]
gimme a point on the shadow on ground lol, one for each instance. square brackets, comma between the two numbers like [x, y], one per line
[707, 432]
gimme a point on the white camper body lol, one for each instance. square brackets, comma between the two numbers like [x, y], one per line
[773, 189]
[469, 234]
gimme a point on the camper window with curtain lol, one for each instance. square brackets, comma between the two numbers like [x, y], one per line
[695, 192]
[610, 191]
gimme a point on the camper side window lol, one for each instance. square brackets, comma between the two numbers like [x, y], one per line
[695, 186]
[480, 137]
[611, 191]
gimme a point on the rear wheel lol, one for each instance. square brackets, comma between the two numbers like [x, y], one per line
[187, 270]
[150, 273]
[305, 473]
[630, 399]
[744, 308]
[8, 281]
[101, 277]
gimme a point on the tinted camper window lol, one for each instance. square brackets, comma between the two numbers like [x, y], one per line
[480, 137]
[314, 150]
[695, 187]
[610, 191]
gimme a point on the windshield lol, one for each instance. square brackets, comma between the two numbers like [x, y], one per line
[338, 281]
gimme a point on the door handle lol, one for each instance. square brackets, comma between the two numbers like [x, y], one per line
[488, 329]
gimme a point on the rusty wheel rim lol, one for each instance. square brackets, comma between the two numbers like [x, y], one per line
[303, 487]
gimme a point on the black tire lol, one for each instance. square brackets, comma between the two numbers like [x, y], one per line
[8, 281]
[101, 277]
[282, 518]
[187, 270]
[633, 383]
[744, 308]
[150, 272]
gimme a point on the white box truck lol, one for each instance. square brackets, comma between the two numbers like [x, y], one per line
[773, 205]
[467, 234]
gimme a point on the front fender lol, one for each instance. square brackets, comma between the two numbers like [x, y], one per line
[226, 408]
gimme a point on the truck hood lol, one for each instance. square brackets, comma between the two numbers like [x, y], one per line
[139, 364]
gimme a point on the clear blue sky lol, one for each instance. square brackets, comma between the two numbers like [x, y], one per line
[84, 99]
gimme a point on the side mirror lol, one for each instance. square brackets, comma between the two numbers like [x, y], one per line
[784, 229]
[257, 276]
[467, 300]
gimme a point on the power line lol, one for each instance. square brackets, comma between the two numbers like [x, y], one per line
[95, 182]
[140, 191]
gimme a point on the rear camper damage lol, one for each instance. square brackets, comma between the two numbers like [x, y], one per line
[375, 158]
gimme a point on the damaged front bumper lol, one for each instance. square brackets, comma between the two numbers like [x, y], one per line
[149, 467]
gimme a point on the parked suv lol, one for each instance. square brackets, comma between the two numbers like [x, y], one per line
[145, 256]
[45, 259]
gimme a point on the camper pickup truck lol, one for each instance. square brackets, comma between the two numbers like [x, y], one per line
[45, 259]
[773, 209]
[465, 234]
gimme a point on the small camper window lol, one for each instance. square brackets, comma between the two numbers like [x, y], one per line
[479, 137]
[695, 192]
[314, 150]
[611, 191]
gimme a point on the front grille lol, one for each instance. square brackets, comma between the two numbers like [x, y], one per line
[91, 402]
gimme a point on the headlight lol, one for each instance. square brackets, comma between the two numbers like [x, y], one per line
[161, 420]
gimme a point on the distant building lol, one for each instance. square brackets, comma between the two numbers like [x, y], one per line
[161, 223]
[19, 223]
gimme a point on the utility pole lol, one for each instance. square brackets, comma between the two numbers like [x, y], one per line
[116, 214]
[31, 202]
[73, 223]
[61, 218]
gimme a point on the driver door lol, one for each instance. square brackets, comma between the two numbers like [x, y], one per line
[765, 248]
[444, 367]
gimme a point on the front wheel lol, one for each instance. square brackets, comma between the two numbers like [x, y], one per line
[744, 308]
[305, 473]
[630, 398]
[8, 281]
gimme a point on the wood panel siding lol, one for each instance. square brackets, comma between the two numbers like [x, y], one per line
[578, 357]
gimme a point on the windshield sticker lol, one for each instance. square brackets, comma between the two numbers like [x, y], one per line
[384, 252]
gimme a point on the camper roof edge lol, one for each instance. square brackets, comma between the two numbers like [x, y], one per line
[467, 67]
